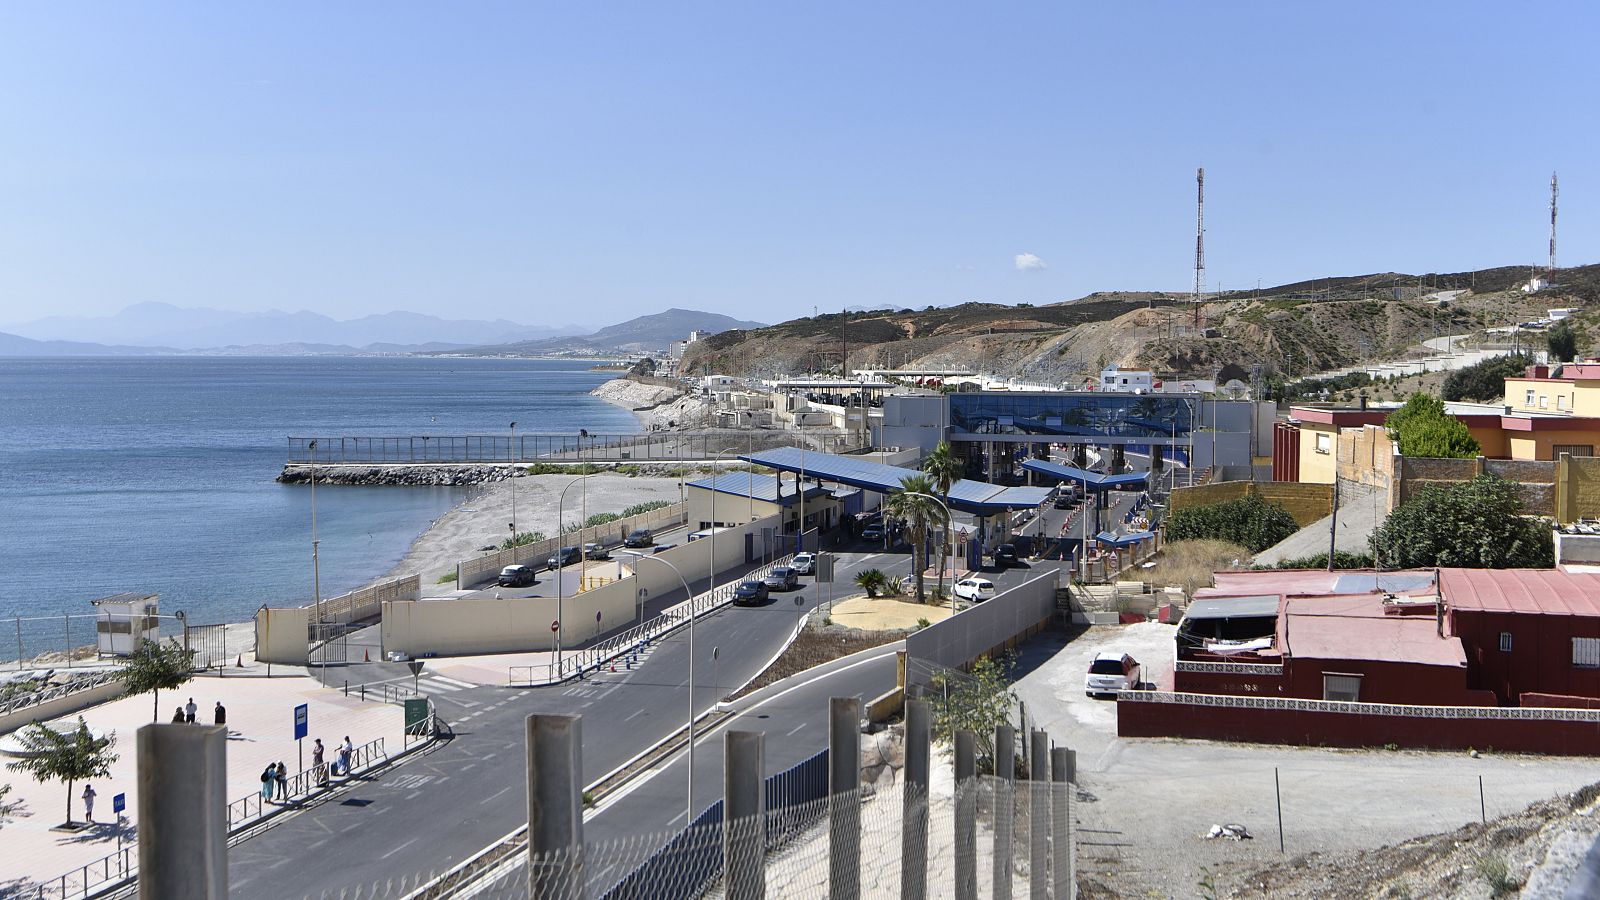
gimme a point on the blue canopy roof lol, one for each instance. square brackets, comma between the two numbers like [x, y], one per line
[758, 487]
[978, 497]
[1091, 481]
[1123, 540]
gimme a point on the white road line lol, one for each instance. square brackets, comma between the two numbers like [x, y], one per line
[634, 716]
[399, 848]
[795, 729]
[460, 684]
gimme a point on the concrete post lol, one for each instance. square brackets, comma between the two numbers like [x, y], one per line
[1005, 800]
[183, 811]
[555, 807]
[914, 813]
[1064, 880]
[966, 816]
[1039, 838]
[844, 806]
[744, 820]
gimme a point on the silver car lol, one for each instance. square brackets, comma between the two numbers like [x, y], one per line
[782, 578]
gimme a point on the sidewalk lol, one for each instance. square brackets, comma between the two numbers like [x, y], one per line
[261, 727]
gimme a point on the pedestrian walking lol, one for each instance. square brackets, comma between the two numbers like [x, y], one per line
[346, 750]
[267, 777]
[219, 716]
[88, 802]
[177, 716]
[282, 778]
[316, 762]
[189, 710]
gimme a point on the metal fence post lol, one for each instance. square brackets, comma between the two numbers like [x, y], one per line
[555, 807]
[183, 811]
[914, 803]
[1039, 802]
[1005, 801]
[1063, 878]
[966, 816]
[744, 817]
[844, 806]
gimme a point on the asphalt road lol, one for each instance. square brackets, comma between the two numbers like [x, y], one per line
[429, 813]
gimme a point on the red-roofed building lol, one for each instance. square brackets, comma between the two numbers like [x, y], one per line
[1532, 636]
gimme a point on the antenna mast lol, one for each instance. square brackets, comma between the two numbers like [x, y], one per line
[1199, 241]
[1554, 190]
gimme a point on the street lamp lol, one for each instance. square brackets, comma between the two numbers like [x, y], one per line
[947, 517]
[316, 574]
[561, 620]
[512, 453]
[689, 816]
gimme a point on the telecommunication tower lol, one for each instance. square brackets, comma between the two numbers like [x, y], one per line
[1199, 241]
[1554, 190]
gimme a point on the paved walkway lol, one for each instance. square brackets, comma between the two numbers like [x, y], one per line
[260, 721]
[1360, 513]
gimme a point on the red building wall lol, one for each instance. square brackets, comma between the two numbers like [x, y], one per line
[1285, 452]
[1540, 660]
[1381, 682]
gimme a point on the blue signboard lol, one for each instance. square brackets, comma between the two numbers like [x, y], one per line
[302, 715]
[119, 803]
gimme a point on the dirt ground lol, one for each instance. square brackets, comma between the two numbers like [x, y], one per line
[886, 613]
[818, 644]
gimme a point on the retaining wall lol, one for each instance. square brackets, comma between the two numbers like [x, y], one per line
[282, 636]
[473, 572]
[61, 706]
[995, 625]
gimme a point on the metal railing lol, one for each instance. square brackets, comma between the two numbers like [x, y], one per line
[637, 637]
[58, 691]
[382, 692]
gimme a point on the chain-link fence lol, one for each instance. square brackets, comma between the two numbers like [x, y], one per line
[69, 639]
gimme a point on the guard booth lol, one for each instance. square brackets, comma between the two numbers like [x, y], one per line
[123, 621]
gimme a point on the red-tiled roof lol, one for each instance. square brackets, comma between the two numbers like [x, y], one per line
[1357, 627]
[1532, 591]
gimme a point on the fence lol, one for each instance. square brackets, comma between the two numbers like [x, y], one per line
[471, 572]
[655, 446]
[998, 623]
[64, 641]
[367, 603]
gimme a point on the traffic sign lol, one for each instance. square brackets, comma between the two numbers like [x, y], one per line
[556, 625]
[119, 803]
[824, 565]
[416, 713]
[302, 717]
[416, 667]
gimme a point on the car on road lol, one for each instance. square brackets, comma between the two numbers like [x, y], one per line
[804, 563]
[975, 589]
[1065, 500]
[639, 537]
[749, 593]
[782, 578]
[516, 576]
[596, 551]
[1005, 555]
[1111, 673]
[564, 557]
[873, 532]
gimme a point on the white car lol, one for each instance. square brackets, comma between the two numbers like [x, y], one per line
[1111, 673]
[975, 589]
[804, 563]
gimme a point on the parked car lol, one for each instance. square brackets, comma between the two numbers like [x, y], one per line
[749, 593]
[596, 551]
[804, 563]
[873, 532]
[975, 589]
[1005, 555]
[1111, 673]
[516, 576]
[564, 557]
[639, 537]
[782, 578]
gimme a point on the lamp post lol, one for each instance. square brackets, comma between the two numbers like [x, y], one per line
[316, 574]
[561, 596]
[689, 593]
[947, 517]
[512, 454]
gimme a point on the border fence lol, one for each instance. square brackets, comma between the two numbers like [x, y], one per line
[649, 446]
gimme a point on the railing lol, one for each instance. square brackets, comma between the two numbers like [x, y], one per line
[56, 692]
[382, 693]
[303, 784]
[638, 636]
[469, 572]
[527, 447]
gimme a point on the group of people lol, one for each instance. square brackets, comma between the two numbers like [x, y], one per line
[186, 714]
[275, 777]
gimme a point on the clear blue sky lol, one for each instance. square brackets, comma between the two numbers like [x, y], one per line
[579, 161]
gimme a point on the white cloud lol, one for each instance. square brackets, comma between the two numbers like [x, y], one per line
[1027, 262]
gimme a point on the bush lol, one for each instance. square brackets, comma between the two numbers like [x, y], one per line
[1251, 522]
[1562, 342]
[447, 578]
[1478, 524]
[1423, 429]
[872, 581]
[1342, 559]
[639, 508]
[1485, 380]
[523, 537]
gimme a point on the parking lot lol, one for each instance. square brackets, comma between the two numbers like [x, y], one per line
[1147, 803]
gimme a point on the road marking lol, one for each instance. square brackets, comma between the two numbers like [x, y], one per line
[795, 729]
[456, 682]
[634, 716]
[399, 848]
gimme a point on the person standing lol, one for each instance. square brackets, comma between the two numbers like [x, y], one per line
[88, 802]
[219, 716]
[282, 778]
[177, 715]
[267, 777]
[346, 751]
[316, 762]
[189, 710]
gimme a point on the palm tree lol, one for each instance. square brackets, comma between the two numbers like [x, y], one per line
[916, 503]
[944, 469]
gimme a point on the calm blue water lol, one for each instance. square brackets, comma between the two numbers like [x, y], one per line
[157, 474]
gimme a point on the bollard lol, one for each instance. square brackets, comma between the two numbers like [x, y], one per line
[914, 802]
[1062, 877]
[744, 820]
[1005, 803]
[555, 807]
[844, 804]
[183, 811]
[1039, 801]
[966, 816]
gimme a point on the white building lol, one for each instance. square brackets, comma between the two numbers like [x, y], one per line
[1130, 380]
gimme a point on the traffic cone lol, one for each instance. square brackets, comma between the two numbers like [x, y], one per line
[366, 655]
[613, 667]
[239, 663]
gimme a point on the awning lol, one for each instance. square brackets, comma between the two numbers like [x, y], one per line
[1092, 481]
[1123, 540]
[1259, 606]
[979, 497]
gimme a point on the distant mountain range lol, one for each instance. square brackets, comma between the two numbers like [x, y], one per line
[645, 333]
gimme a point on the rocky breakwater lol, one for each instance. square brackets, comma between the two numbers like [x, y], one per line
[403, 475]
[657, 406]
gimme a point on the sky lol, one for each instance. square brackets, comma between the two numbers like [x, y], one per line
[587, 162]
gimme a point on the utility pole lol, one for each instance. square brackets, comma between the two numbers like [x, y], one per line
[1199, 241]
[1554, 190]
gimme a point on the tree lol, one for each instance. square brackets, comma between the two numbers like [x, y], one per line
[945, 469]
[70, 757]
[916, 504]
[1484, 380]
[1423, 429]
[872, 581]
[7, 809]
[156, 667]
[1477, 524]
[1562, 341]
[977, 702]
[1250, 521]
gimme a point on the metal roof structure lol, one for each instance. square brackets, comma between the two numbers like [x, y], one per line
[1549, 592]
[978, 497]
[752, 486]
[1123, 540]
[1091, 481]
[1358, 628]
[1262, 606]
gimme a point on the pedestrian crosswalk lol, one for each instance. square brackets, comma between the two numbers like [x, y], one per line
[439, 684]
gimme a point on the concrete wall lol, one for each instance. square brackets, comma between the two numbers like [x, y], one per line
[367, 603]
[1306, 502]
[283, 636]
[1577, 488]
[473, 572]
[61, 706]
[997, 624]
[1367, 456]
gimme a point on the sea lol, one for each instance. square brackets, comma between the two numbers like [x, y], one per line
[157, 474]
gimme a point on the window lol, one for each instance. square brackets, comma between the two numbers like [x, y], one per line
[1544, 401]
[1345, 688]
[1586, 653]
[1505, 642]
[1574, 450]
[1323, 442]
[1561, 401]
[1528, 401]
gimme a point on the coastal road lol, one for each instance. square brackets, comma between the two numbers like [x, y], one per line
[426, 815]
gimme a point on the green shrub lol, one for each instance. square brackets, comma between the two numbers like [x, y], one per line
[1251, 521]
[1479, 524]
[447, 578]
[640, 508]
[1485, 380]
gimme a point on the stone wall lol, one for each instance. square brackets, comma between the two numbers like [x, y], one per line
[1577, 488]
[1306, 502]
[1367, 456]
